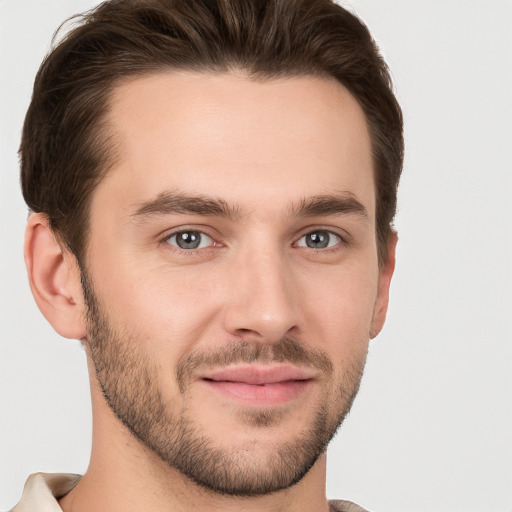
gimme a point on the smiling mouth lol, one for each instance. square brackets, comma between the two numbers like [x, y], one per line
[260, 385]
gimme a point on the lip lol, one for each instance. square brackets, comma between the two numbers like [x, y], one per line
[260, 385]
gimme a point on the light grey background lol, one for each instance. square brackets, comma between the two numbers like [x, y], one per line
[432, 427]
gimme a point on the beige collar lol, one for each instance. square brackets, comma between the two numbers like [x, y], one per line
[42, 490]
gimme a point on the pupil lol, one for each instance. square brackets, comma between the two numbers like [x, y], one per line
[188, 240]
[318, 240]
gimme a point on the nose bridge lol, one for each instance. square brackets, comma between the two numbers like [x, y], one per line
[263, 303]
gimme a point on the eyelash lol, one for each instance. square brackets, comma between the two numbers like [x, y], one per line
[194, 251]
[330, 249]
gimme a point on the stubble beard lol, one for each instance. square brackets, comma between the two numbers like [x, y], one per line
[127, 380]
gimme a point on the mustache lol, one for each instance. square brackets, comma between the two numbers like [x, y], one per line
[287, 350]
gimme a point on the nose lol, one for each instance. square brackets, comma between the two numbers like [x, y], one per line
[262, 304]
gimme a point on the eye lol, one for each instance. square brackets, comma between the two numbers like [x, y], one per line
[320, 239]
[190, 240]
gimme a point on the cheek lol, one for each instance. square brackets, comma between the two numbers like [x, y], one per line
[342, 313]
[164, 306]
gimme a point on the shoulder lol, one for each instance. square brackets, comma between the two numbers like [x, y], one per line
[345, 506]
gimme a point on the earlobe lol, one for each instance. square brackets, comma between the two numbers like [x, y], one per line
[54, 279]
[385, 275]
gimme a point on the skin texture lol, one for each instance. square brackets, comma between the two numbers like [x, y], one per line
[259, 292]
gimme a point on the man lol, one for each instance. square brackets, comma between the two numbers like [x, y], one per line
[212, 186]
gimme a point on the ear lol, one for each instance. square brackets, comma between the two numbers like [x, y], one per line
[54, 278]
[385, 275]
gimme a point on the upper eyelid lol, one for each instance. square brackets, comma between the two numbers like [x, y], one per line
[164, 241]
[175, 233]
[339, 232]
[167, 233]
[342, 240]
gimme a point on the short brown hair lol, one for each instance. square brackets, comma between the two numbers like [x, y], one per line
[65, 149]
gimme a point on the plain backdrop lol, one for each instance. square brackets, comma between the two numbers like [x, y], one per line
[432, 427]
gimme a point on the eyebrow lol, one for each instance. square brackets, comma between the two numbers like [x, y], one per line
[316, 206]
[169, 203]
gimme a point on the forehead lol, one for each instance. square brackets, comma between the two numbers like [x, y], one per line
[226, 135]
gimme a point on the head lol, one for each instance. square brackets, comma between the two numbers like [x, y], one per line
[222, 176]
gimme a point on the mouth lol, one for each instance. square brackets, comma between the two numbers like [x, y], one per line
[262, 386]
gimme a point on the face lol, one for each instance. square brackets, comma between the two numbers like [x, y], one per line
[232, 278]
